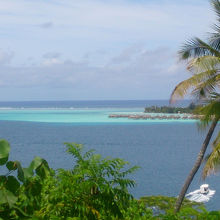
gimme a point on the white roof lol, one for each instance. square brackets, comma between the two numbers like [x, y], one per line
[204, 186]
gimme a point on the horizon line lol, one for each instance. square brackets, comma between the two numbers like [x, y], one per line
[94, 100]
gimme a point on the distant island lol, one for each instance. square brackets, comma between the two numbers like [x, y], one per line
[175, 113]
[170, 109]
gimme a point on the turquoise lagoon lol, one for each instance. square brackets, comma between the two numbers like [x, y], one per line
[88, 115]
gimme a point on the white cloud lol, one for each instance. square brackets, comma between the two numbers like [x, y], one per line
[119, 49]
[148, 74]
[91, 25]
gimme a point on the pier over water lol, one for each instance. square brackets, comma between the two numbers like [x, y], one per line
[156, 116]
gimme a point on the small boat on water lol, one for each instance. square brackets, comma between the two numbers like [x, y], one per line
[203, 194]
[204, 189]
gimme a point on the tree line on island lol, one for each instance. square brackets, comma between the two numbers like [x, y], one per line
[169, 109]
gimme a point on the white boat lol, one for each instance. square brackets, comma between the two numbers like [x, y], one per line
[204, 194]
[204, 189]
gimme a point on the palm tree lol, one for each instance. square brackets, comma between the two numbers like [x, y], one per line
[203, 85]
[212, 164]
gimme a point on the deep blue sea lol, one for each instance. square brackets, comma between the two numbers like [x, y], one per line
[165, 150]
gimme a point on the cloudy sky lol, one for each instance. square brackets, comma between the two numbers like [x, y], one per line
[96, 49]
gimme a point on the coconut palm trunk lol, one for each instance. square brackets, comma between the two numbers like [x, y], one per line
[196, 165]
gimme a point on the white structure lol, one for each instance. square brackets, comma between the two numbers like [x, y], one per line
[203, 194]
[204, 189]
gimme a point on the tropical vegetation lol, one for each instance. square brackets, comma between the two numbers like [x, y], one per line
[98, 188]
[95, 188]
[170, 109]
[203, 62]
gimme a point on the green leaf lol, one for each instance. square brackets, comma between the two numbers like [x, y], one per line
[4, 151]
[43, 170]
[7, 197]
[28, 172]
[11, 165]
[12, 184]
[20, 171]
[35, 188]
[3, 179]
[36, 162]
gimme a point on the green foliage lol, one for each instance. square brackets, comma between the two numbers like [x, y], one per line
[191, 213]
[212, 161]
[95, 188]
[4, 151]
[163, 208]
[166, 204]
[210, 110]
[170, 109]
[19, 197]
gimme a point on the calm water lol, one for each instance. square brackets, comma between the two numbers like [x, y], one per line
[165, 150]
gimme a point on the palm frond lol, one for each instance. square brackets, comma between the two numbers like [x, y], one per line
[214, 38]
[213, 161]
[197, 48]
[194, 83]
[210, 111]
[216, 141]
[205, 63]
[216, 6]
[205, 88]
[215, 95]
[216, 28]
[182, 88]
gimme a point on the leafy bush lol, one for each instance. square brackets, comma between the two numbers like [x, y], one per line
[95, 188]
[20, 196]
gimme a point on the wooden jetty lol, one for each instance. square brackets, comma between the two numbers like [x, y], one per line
[157, 116]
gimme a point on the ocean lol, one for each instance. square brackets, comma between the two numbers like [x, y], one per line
[165, 150]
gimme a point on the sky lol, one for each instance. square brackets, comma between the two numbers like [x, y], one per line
[96, 49]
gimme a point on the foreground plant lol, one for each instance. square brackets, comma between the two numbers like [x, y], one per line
[163, 208]
[20, 196]
[95, 188]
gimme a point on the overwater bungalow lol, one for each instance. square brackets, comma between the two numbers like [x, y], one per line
[159, 116]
